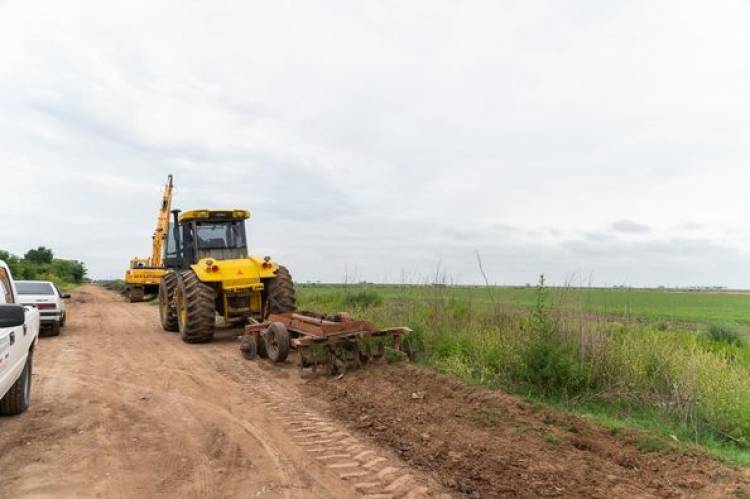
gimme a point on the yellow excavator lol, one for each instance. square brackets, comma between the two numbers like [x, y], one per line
[144, 274]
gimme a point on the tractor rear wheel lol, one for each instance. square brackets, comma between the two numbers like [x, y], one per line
[195, 308]
[281, 296]
[167, 309]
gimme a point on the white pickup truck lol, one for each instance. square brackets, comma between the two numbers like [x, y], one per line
[19, 331]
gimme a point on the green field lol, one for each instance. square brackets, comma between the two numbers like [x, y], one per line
[673, 363]
[683, 306]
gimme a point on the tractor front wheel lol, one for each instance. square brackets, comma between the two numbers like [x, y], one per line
[167, 309]
[195, 308]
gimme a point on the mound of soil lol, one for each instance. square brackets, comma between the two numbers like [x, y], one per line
[483, 443]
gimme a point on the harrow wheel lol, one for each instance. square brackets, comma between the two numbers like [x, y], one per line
[276, 340]
[249, 346]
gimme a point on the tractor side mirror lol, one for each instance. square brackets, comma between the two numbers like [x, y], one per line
[12, 315]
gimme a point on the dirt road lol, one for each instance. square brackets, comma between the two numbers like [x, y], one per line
[121, 408]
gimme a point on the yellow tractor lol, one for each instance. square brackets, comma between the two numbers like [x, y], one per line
[210, 272]
[143, 275]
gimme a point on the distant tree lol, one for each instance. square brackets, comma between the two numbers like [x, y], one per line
[12, 260]
[39, 256]
[40, 264]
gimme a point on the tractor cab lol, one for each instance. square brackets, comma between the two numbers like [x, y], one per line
[200, 234]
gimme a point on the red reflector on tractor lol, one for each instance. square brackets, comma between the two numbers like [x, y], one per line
[214, 268]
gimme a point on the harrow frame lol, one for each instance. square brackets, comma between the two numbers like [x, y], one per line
[334, 340]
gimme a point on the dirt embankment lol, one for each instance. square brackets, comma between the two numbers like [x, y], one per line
[483, 443]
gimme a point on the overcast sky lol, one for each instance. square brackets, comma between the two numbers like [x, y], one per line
[607, 142]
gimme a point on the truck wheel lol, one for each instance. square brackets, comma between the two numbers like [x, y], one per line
[167, 310]
[276, 339]
[62, 319]
[281, 296]
[16, 400]
[136, 294]
[55, 329]
[195, 308]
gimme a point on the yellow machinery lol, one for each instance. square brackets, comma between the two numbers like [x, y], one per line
[144, 273]
[210, 272]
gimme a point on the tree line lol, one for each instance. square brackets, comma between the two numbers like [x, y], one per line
[40, 264]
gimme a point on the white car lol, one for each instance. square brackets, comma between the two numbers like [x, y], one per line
[45, 297]
[19, 330]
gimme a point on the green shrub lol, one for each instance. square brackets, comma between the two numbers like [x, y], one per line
[363, 299]
[724, 332]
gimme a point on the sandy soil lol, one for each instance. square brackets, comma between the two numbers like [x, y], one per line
[121, 408]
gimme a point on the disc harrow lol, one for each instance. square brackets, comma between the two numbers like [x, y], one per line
[334, 343]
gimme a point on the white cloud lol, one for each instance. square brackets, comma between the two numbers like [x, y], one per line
[387, 136]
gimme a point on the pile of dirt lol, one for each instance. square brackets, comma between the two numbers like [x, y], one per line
[483, 443]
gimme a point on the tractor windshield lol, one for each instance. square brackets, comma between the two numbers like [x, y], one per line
[221, 240]
[220, 235]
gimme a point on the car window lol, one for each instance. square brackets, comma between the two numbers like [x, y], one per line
[6, 293]
[34, 288]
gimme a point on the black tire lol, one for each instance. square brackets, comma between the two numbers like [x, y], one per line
[262, 348]
[280, 295]
[62, 319]
[249, 346]
[167, 309]
[54, 329]
[17, 399]
[195, 308]
[136, 294]
[276, 339]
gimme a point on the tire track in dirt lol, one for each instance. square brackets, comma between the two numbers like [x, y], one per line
[122, 408]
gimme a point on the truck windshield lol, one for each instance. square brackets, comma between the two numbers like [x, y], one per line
[34, 288]
[220, 235]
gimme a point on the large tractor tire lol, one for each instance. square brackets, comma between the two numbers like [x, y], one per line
[195, 308]
[167, 308]
[281, 295]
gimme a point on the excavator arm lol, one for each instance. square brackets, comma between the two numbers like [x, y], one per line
[162, 226]
[144, 273]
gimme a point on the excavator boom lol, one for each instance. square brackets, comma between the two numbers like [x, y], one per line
[143, 275]
[162, 226]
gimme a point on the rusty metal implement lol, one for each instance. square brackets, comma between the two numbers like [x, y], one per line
[333, 341]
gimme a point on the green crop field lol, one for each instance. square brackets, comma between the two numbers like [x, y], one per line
[684, 306]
